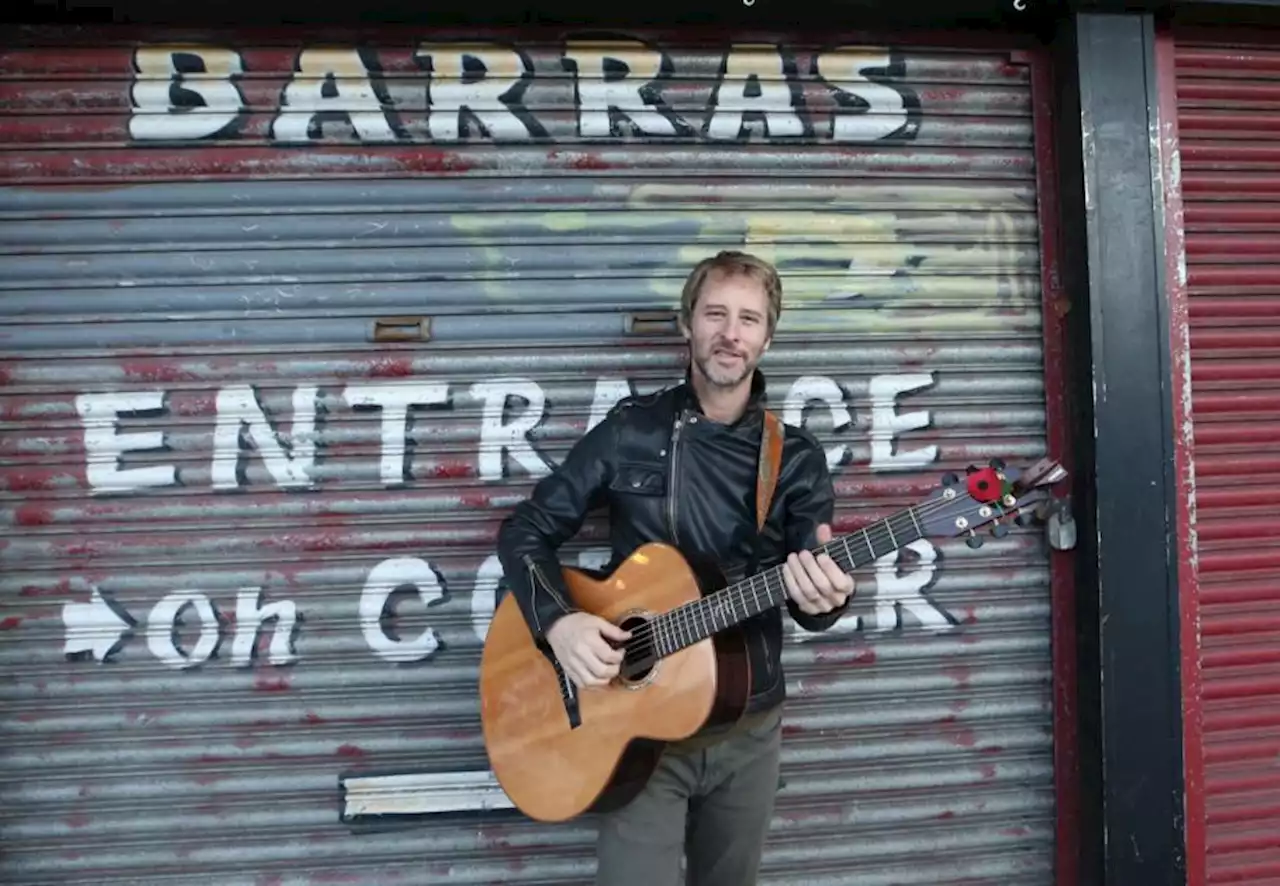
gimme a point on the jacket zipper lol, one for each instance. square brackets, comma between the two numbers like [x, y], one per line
[536, 580]
[671, 479]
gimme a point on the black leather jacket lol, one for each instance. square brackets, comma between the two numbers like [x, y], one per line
[659, 464]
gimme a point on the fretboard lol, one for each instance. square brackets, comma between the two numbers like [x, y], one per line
[700, 619]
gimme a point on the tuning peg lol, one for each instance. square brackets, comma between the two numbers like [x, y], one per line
[950, 479]
[997, 463]
[999, 530]
[973, 541]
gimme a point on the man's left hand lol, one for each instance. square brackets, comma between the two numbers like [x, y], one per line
[816, 584]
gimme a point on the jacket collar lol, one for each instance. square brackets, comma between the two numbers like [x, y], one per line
[755, 401]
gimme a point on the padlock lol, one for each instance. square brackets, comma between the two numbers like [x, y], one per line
[1061, 528]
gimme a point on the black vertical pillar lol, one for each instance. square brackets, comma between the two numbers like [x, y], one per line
[1113, 259]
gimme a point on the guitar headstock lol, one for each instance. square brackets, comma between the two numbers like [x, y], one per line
[994, 495]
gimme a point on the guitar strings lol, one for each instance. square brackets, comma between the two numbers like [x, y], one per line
[685, 617]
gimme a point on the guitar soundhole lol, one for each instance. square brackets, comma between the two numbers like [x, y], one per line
[641, 655]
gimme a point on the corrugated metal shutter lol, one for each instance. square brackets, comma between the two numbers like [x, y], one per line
[248, 544]
[1229, 127]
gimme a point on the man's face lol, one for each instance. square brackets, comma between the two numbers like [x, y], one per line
[729, 329]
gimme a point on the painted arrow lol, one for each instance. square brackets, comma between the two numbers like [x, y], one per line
[99, 627]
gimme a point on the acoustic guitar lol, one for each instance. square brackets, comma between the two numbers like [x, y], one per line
[559, 751]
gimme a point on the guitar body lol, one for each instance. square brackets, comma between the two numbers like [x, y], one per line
[558, 753]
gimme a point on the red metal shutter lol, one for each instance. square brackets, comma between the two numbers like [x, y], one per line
[286, 333]
[1228, 120]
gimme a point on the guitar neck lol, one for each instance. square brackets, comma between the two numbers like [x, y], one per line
[716, 612]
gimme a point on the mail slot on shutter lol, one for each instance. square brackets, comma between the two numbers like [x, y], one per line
[386, 329]
[653, 323]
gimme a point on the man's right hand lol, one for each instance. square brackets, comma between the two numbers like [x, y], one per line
[580, 641]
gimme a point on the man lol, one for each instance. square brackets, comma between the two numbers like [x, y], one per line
[680, 466]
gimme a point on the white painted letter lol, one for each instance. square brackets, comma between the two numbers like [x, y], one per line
[250, 616]
[898, 593]
[805, 390]
[394, 400]
[330, 81]
[498, 438]
[887, 424]
[387, 577]
[484, 595]
[184, 92]
[162, 629]
[885, 112]
[632, 68]
[479, 79]
[759, 67]
[103, 446]
[608, 392]
[238, 405]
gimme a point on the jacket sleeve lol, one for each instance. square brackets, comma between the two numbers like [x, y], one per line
[813, 504]
[529, 538]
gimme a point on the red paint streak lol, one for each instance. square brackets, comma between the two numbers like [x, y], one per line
[33, 515]
[965, 738]
[268, 684]
[845, 655]
[988, 771]
[313, 719]
[77, 820]
[152, 371]
[59, 590]
[578, 160]
[350, 750]
[476, 501]
[454, 470]
[8, 624]
[36, 480]
[210, 164]
[391, 367]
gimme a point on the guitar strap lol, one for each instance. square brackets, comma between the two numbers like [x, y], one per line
[767, 476]
[770, 464]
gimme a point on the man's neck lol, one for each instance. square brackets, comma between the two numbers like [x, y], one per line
[723, 405]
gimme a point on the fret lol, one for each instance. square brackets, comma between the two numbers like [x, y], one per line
[754, 594]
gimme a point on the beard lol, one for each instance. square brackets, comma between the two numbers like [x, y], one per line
[722, 375]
